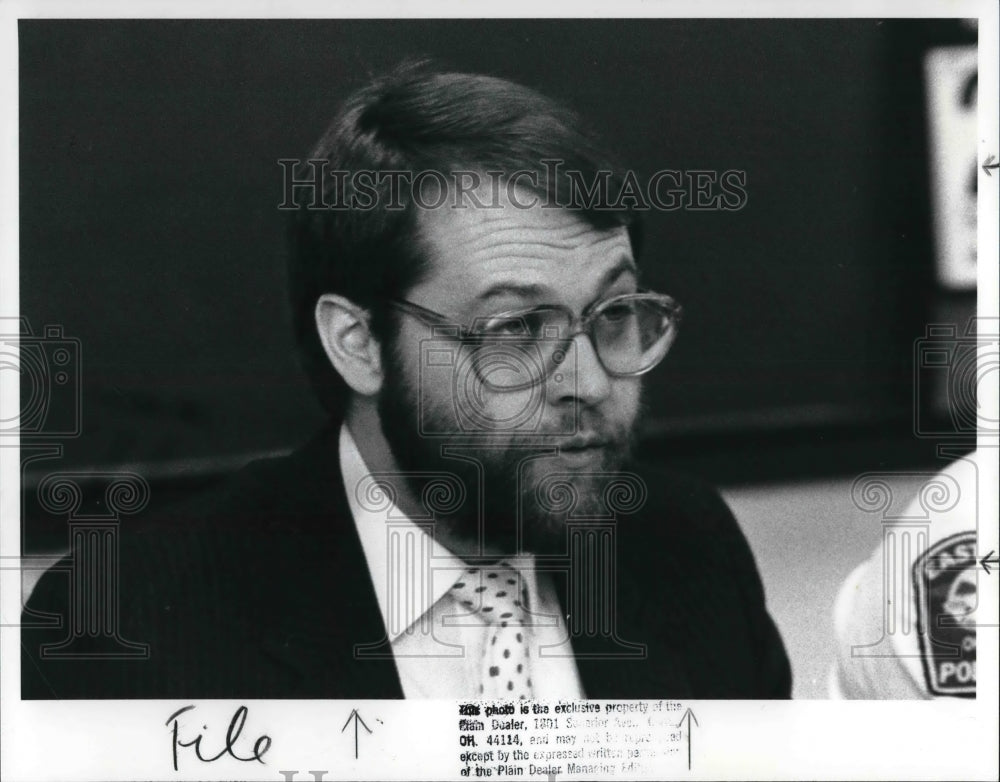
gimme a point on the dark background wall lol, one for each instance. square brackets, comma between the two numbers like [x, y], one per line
[150, 232]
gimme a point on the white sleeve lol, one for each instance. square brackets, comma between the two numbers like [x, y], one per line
[904, 619]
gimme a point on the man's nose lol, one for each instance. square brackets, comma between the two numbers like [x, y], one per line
[581, 376]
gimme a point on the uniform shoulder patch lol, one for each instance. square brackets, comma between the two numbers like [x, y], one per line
[945, 580]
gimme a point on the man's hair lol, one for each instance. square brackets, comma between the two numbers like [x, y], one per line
[421, 119]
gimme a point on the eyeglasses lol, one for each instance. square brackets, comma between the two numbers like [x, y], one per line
[630, 333]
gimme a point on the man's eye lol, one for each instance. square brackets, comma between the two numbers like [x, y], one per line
[504, 327]
[618, 312]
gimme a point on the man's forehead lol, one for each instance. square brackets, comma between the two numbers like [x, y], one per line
[472, 246]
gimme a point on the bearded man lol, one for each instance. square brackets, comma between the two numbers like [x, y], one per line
[469, 309]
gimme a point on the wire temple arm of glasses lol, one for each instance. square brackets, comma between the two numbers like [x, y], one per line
[430, 317]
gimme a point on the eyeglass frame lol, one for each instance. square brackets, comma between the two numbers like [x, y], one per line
[577, 324]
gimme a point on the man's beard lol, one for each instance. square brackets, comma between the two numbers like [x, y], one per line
[511, 479]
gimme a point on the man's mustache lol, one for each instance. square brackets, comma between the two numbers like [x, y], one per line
[588, 430]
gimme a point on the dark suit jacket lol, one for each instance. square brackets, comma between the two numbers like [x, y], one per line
[260, 590]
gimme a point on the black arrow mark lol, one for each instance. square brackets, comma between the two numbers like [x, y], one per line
[990, 164]
[986, 562]
[357, 718]
[688, 715]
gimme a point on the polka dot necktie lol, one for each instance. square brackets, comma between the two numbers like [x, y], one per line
[498, 594]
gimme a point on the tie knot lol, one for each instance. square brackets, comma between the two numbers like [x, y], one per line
[496, 592]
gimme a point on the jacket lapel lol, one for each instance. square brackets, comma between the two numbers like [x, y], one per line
[642, 656]
[328, 610]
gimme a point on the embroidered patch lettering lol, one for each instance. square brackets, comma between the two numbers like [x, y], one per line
[945, 583]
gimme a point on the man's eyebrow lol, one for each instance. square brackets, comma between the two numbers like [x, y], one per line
[535, 291]
[625, 264]
[524, 290]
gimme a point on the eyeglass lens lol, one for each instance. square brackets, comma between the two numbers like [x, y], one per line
[629, 336]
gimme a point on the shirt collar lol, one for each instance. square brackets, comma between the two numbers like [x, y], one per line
[423, 585]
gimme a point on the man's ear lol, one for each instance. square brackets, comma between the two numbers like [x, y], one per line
[349, 344]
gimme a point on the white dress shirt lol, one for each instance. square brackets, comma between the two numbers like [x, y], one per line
[438, 646]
